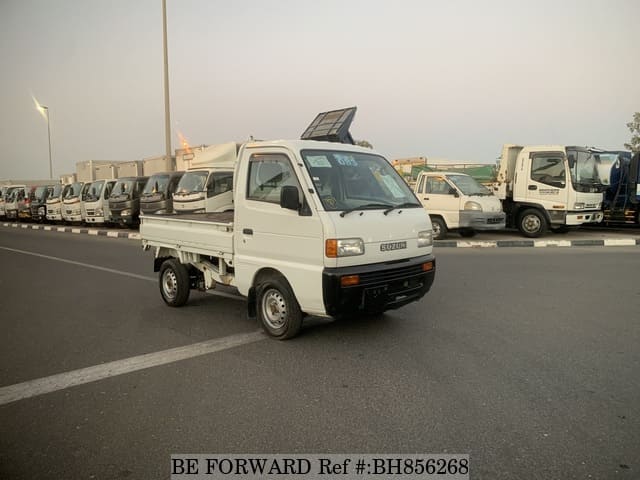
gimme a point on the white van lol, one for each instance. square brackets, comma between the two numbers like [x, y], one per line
[456, 201]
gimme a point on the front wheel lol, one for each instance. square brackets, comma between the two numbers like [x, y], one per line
[439, 228]
[532, 223]
[278, 310]
[174, 283]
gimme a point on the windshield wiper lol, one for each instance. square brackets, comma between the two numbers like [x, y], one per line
[366, 206]
[402, 205]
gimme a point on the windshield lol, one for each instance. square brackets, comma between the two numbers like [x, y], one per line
[468, 185]
[584, 168]
[192, 182]
[39, 192]
[57, 189]
[350, 180]
[122, 188]
[156, 184]
[74, 190]
[95, 189]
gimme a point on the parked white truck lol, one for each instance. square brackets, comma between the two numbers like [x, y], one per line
[207, 186]
[456, 201]
[548, 186]
[318, 228]
[95, 207]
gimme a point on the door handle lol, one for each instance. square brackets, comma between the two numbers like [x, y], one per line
[425, 198]
[247, 231]
[533, 187]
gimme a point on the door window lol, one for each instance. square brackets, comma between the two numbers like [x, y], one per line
[548, 169]
[438, 186]
[268, 173]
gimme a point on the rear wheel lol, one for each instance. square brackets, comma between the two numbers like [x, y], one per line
[532, 223]
[278, 310]
[174, 283]
[439, 228]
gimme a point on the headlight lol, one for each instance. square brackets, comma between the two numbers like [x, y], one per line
[125, 212]
[160, 212]
[343, 247]
[98, 212]
[578, 206]
[473, 206]
[425, 238]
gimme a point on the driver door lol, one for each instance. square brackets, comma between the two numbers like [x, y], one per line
[546, 184]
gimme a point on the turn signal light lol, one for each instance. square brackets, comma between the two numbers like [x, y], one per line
[331, 248]
[427, 267]
[349, 280]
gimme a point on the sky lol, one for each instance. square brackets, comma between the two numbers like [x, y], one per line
[442, 79]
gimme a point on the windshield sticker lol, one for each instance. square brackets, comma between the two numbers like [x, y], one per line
[346, 160]
[393, 187]
[318, 161]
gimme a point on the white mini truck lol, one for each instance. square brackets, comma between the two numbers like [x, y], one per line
[318, 228]
[456, 201]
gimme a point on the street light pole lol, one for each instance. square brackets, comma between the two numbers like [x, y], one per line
[167, 120]
[46, 109]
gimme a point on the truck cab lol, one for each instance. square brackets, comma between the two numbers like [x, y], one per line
[203, 191]
[54, 202]
[124, 201]
[549, 187]
[96, 202]
[72, 202]
[456, 201]
[3, 194]
[15, 194]
[38, 202]
[157, 196]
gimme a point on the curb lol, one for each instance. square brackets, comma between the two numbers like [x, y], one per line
[77, 230]
[608, 242]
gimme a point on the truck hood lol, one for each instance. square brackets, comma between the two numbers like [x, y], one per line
[386, 237]
[489, 203]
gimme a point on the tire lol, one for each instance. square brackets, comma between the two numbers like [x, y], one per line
[532, 223]
[467, 232]
[174, 283]
[277, 308]
[439, 228]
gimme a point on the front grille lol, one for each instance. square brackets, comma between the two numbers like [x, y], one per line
[393, 274]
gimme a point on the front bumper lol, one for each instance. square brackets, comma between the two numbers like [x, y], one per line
[582, 217]
[94, 219]
[72, 218]
[382, 286]
[124, 219]
[482, 220]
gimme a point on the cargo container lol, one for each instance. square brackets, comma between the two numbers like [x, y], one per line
[153, 165]
[130, 169]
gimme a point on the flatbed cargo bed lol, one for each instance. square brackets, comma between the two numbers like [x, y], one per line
[209, 234]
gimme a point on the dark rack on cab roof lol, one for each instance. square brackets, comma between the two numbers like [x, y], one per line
[331, 126]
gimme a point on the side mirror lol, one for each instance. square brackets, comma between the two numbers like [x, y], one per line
[289, 197]
[454, 192]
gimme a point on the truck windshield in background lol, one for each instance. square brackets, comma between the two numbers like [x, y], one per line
[74, 190]
[585, 171]
[122, 189]
[350, 180]
[192, 182]
[468, 185]
[156, 184]
[94, 191]
[57, 190]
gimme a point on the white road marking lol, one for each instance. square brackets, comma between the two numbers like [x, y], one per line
[619, 242]
[111, 270]
[81, 264]
[40, 386]
[551, 243]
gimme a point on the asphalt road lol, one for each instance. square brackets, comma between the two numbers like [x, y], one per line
[526, 359]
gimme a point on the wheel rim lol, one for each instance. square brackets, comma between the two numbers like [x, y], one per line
[169, 284]
[436, 229]
[274, 309]
[531, 223]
